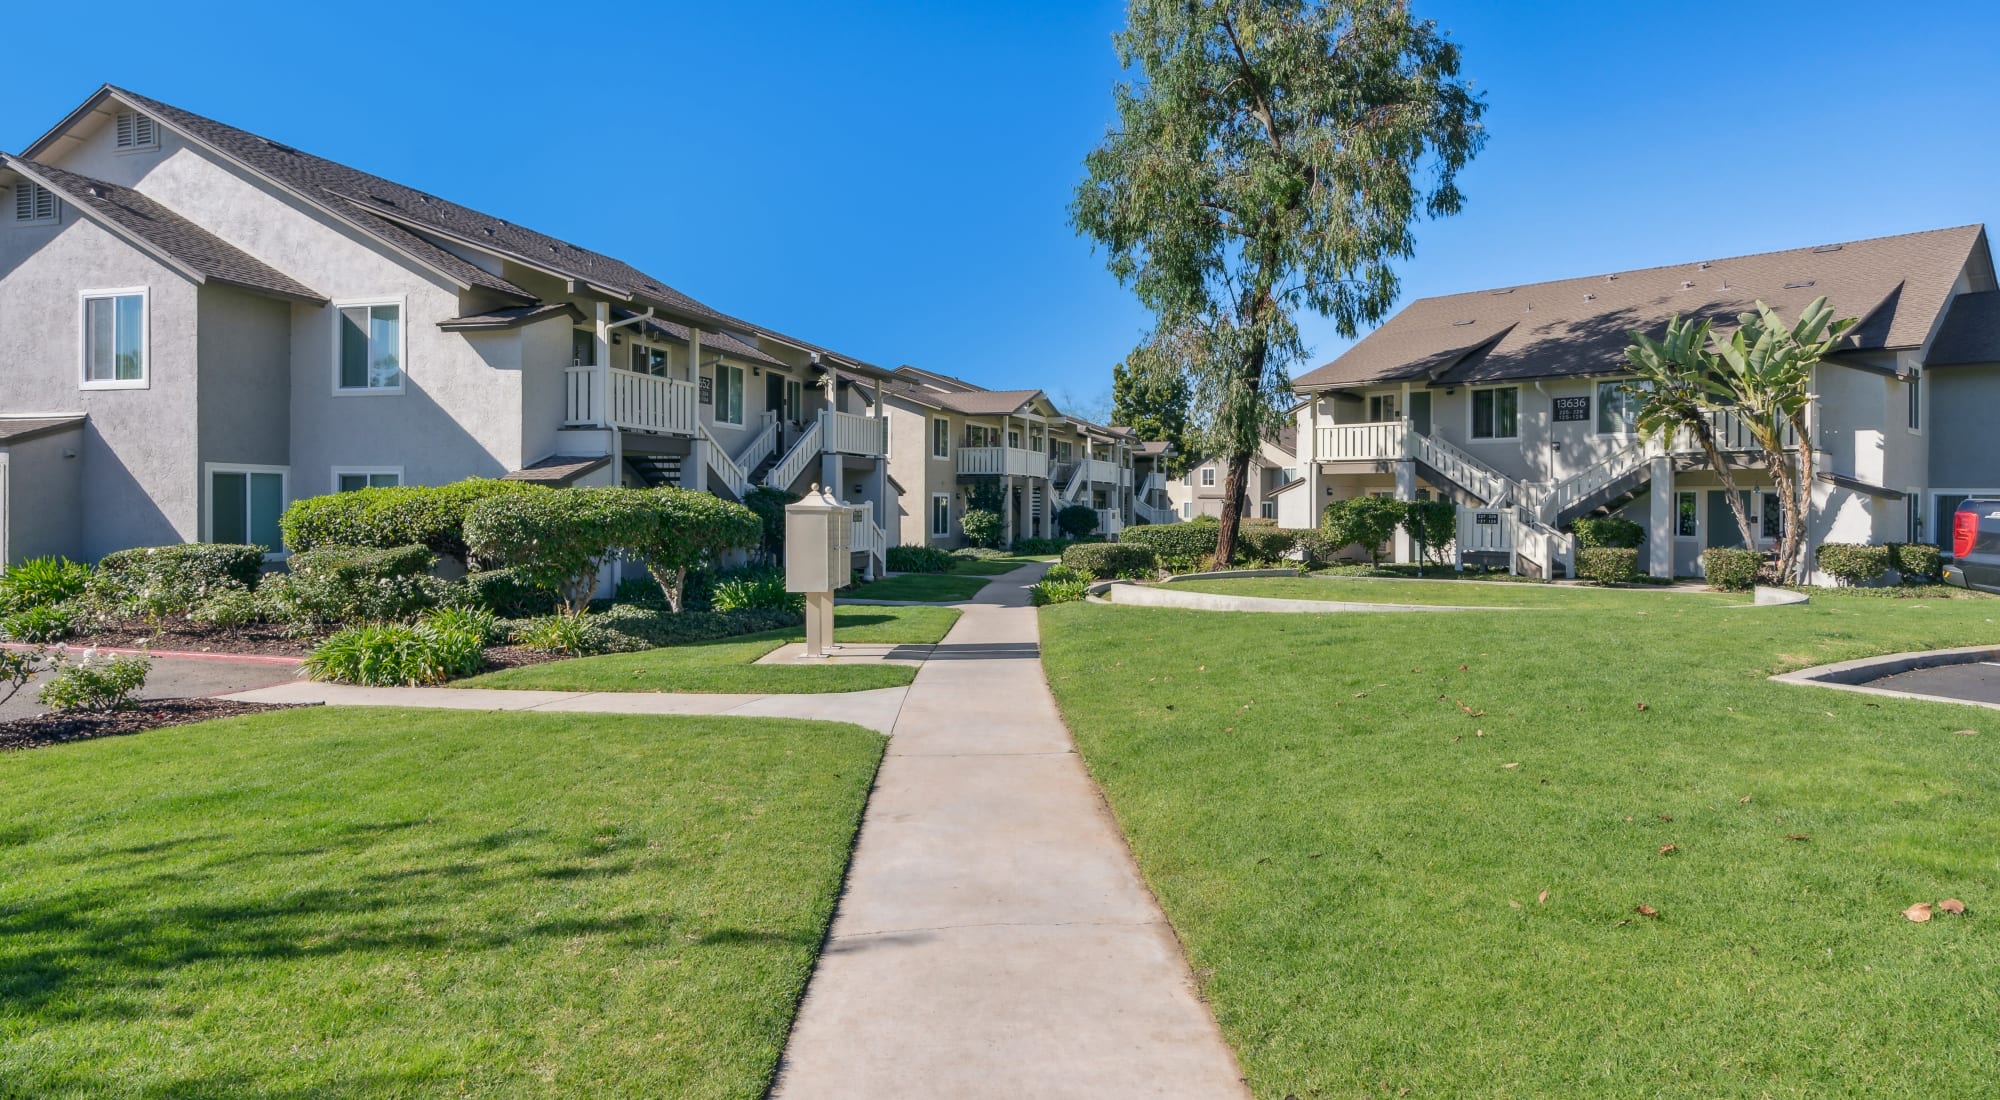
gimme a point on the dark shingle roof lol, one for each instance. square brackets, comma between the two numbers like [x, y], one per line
[710, 341]
[1896, 285]
[1970, 333]
[557, 469]
[375, 202]
[193, 248]
[511, 317]
[20, 429]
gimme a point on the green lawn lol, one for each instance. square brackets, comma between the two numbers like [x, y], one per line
[1350, 821]
[1462, 593]
[962, 582]
[364, 902]
[727, 665]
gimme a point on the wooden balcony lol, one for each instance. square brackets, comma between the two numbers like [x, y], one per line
[848, 434]
[636, 403]
[1372, 441]
[1002, 461]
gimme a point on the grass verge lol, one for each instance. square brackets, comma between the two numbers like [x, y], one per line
[1464, 594]
[727, 666]
[1352, 820]
[371, 902]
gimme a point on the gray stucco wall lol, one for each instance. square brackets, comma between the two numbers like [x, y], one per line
[1964, 437]
[244, 342]
[44, 494]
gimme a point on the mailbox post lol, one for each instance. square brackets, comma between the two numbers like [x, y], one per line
[819, 536]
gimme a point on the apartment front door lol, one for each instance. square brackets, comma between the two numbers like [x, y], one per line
[774, 394]
[1722, 529]
[1420, 412]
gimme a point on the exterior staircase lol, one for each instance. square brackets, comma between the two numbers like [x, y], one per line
[655, 469]
[1617, 475]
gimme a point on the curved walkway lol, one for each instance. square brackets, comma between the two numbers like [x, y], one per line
[994, 938]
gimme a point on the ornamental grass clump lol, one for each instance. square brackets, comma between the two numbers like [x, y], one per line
[397, 654]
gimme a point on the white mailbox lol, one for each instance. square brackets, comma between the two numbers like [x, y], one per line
[819, 539]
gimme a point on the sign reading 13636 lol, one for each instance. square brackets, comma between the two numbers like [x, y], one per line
[1572, 408]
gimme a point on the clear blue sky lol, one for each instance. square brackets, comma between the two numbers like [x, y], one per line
[891, 180]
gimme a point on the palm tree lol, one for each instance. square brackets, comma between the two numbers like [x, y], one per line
[1677, 392]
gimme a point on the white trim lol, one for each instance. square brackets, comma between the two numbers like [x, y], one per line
[934, 422]
[83, 300]
[742, 395]
[930, 521]
[137, 116]
[402, 346]
[1597, 411]
[1697, 495]
[1208, 476]
[208, 472]
[362, 471]
[1913, 402]
[1471, 412]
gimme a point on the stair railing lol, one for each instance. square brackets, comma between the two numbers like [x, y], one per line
[733, 475]
[760, 447]
[793, 464]
[1579, 486]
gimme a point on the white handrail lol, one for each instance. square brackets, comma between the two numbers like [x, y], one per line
[733, 475]
[1372, 440]
[793, 464]
[1491, 485]
[1076, 482]
[580, 406]
[1154, 515]
[1580, 485]
[760, 447]
[644, 402]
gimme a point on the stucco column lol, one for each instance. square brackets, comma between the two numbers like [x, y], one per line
[1406, 489]
[697, 477]
[1660, 517]
[1006, 503]
[829, 470]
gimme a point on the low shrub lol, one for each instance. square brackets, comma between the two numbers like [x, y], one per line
[1369, 521]
[1316, 546]
[578, 635]
[759, 590]
[1853, 562]
[475, 621]
[39, 623]
[1176, 547]
[238, 607]
[918, 559]
[1731, 569]
[1608, 564]
[642, 589]
[153, 581]
[1038, 548]
[634, 627]
[1104, 560]
[94, 683]
[1917, 562]
[1050, 590]
[561, 539]
[395, 654]
[508, 594]
[1608, 531]
[981, 527]
[1063, 573]
[315, 597]
[357, 563]
[1077, 520]
[39, 582]
[431, 516]
[1265, 542]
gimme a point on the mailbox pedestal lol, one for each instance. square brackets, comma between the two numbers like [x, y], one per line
[819, 537]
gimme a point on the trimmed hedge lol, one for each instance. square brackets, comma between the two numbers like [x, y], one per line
[1265, 542]
[1077, 520]
[1367, 521]
[918, 559]
[1917, 561]
[431, 516]
[1608, 531]
[171, 580]
[1853, 562]
[1608, 564]
[1039, 547]
[508, 594]
[647, 628]
[685, 530]
[1731, 569]
[356, 563]
[560, 539]
[1176, 547]
[1104, 560]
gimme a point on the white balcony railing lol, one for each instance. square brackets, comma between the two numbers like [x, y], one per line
[1372, 441]
[992, 461]
[1103, 471]
[848, 434]
[1732, 433]
[637, 402]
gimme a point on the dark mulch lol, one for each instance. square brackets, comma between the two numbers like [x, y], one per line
[513, 656]
[196, 638]
[146, 714]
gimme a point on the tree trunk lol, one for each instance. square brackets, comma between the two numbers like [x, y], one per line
[1721, 467]
[1232, 508]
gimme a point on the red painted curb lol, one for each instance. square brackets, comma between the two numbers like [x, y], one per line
[182, 655]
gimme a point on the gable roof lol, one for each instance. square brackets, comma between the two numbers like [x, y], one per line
[1569, 327]
[192, 250]
[398, 215]
[1970, 333]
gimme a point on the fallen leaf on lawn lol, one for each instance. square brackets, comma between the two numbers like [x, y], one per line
[1361, 695]
[1461, 668]
[1669, 849]
[1542, 898]
[1456, 740]
[1642, 706]
[1966, 733]
[1628, 821]
[1512, 904]
[1478, 733]
[1952, 905]
[1798, 836]
[1416, 670]
[1920, 912]
[1666, 817]
[1647, 911]
[1515, 764]
[1744, 801]
[1203, 668]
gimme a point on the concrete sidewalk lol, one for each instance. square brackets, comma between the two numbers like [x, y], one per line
[994, 938]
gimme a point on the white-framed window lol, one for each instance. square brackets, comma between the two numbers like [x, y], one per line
[1268, 509]
[1382, 407]
[1687, 515]
[1617, 409]
[1771, 523]
[1496, 413]
[1208, 477]
[941, 515]
[244, 503]
[368, 347]
[795, 401]
[1915, 389]
[1914, 504]
[728, 394]
[940, 437]
[35, 204]
[115, 339]
[347, 479]
[1187, 509]
[134, 132]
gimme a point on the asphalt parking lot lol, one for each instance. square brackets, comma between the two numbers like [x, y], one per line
[1978, 682]
[174, 678]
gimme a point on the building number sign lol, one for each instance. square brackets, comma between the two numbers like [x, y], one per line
[1572, 408]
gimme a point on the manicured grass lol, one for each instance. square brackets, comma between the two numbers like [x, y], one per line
[1461, 593]
[1355, 860]
[993, 567]
[727, 665]
[364, 902]
[924, 587]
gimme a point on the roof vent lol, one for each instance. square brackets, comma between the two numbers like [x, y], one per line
[96, 190]
[1828, 248]
[1509, 290]
[1590, 297]
[1611, 278]
[133, 130]
[1705, 265]
[1687, 284]
[280, 146]
[1467, 321]
[1797, 284]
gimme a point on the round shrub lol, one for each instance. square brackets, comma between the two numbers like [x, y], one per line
[1176, 547]
[1038, 547]
[918, 559]
[1608, 564]
[431, 516]
[560, 539]
[171, 580]
[1077, 520]
[1917, 561]
[1853, 562]
[39, 582]
[1104, 560]
[1265, 542]
[1052, 590]
[683, 529]
[1611, 531]
[95, 683]
[1731, 569]
[981, 527]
